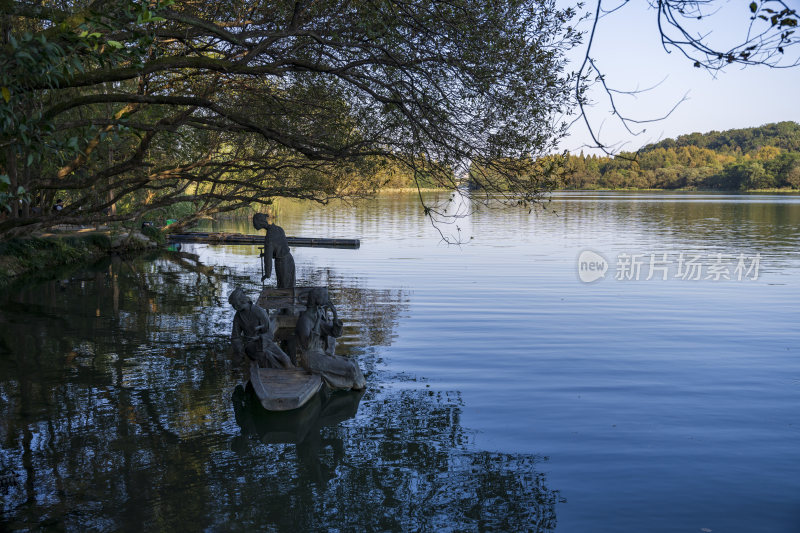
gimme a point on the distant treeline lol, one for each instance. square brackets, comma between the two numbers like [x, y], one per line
[765, 157]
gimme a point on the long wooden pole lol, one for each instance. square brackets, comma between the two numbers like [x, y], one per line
[250, 240]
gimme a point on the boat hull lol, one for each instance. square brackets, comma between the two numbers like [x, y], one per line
[284, 389]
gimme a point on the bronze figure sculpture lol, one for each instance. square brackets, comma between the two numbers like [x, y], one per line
[276, 248]
[252, 334]
[316, 334]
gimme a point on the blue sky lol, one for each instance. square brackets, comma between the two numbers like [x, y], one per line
[627, 47]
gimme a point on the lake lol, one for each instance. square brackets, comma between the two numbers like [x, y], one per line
[611, 362]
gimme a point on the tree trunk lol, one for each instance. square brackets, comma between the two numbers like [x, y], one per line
[110, 194]
[25, 182]
[11, 169]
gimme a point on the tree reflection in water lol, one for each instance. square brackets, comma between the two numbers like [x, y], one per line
[116, 414]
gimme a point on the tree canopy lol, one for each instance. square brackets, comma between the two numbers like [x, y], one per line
[124, 107]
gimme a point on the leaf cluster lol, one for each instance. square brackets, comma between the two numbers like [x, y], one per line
[123, 107]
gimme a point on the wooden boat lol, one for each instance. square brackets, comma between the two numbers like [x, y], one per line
[281, 389]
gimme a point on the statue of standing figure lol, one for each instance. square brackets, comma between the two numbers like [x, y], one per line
[276, 248]
[316, 334]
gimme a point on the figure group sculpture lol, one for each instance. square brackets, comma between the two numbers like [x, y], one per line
[311, 345]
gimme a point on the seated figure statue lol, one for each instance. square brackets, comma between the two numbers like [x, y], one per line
[275, 247]
[316, 339]
[252, 334]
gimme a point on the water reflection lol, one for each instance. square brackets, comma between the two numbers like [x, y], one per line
[609, 222]
[301, 427]
[116, 414]
[404, 465]
[115, 391]
[739, 223]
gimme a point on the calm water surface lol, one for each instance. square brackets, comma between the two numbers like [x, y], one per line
[504, 392]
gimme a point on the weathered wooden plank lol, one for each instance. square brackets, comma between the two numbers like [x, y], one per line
[274, 298]
[291, 302]
[291, 298]
[284, 389]
[242, 239]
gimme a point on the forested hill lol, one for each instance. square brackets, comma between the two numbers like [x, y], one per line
[783, 135]
[765, 157]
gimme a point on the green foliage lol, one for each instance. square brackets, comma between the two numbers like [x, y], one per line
[174, 211]
[39, 61]
[783, 135]
[154, 233]
[219, 105]
[765, 157]
[33, 255]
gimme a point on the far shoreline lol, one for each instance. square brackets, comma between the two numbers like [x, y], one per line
[783, 190]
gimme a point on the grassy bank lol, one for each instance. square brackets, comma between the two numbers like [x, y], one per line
[41, 255]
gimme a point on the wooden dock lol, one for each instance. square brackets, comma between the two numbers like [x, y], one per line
[250, 240]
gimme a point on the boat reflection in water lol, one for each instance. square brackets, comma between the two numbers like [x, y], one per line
[302, 427]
